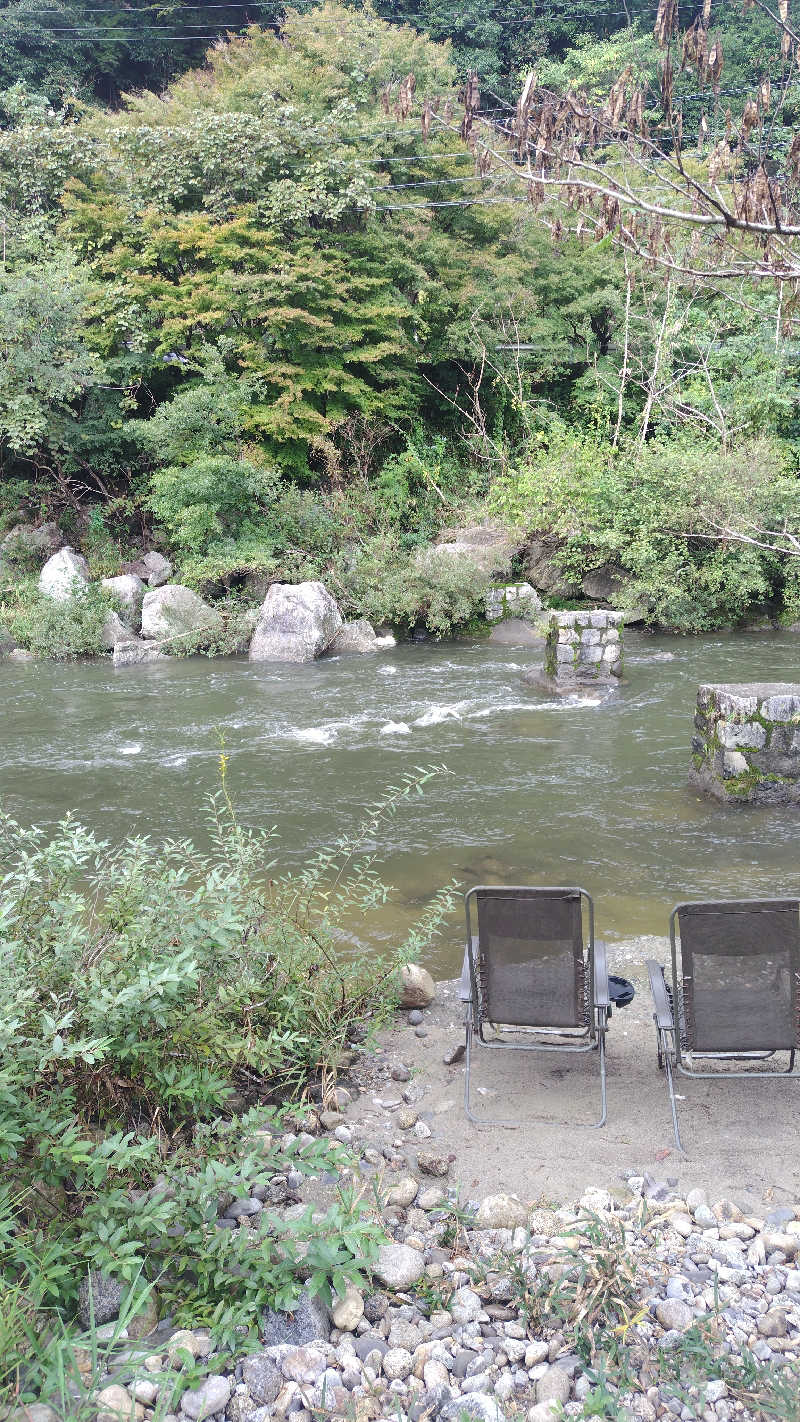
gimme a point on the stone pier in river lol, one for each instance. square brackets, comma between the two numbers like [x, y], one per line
[582, 649]
[746, 746]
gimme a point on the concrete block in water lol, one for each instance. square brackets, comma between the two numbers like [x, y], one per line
[746, 746]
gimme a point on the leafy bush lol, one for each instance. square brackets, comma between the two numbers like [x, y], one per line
[60, 631]
[151, 992]
[659, 513]
[386, 583]
[214, 496]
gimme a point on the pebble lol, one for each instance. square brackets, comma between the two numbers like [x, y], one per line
[415, 1017]
[210, 1397]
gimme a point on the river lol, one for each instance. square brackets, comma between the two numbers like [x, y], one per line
[539, 791]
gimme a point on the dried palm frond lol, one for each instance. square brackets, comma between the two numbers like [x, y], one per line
[386, 99]
[426, 118]
[750, 117]
[719, 160]
[715, 63]
[667, 77]
[616, 99]
[666, 22]
[405, 97]
[695, 48]
[636, 120]
[793, 160]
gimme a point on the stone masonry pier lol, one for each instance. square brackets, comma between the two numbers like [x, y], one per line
[582, 649]
[746, 746]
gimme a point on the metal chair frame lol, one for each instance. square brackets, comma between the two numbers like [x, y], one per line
[671, 1053]
[591, 1037]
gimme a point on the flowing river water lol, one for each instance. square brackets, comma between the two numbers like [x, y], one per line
[587, 791]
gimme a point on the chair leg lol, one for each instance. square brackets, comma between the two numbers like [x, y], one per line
[665, 1052]
[601, 1046]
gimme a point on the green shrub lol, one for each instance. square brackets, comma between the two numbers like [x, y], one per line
[387, 583]
[210, 498]
[659, 513]
[61, 631]
[151, 992]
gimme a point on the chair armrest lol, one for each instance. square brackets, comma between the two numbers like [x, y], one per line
[661, 1002]
[465, 985]
[602, 997]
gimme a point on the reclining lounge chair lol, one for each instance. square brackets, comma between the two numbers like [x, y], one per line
[737, 995]
[527, 973]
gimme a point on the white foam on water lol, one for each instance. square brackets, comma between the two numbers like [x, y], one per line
[435, 715]
[395, 728]
[315, 735]
[387, 641]
[502, 706]
[134, 749]
[387, 671]
[654, 657]
[174, 761]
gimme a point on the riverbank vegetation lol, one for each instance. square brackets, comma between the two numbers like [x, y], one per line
[252, 318]
[161, 1003]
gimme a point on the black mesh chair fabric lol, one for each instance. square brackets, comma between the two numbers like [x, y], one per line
[530, 957]
[740, 969]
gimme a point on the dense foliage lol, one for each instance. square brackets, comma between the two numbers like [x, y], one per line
[253, 314]
[156, 993]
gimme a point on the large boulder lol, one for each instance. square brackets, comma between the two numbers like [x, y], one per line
[128, 591]
[487, 548]
[27, 546]
[113, 632]
[134, 652]
[175, 611]
[604, 584]
[297, 623]
[544, 572]
[64, 575]
[153, 569]
[358, 636]
[7, 643]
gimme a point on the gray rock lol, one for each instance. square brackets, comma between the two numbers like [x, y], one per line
[433, 1162]
[397, 1363]
[465, 1305]
[238, 1209]
[415, 1017]
[64, 576]
[297, 623]
[553, 1386]
[176, 611]
[27, 546]
[128, 590]
[107, 1294]
[515, 632]
[418, 987]
[501, 1212]
[114, 632]
[604, 584]
[309, 1322]
[133, 652]
[7, 643]
[477, 1406]
[357, 637]
[485, 547]
[398, 1266]
[366, 1343]
[772, 1324]
[210, 1397]
[153, 569]
[454, 1054]
[674, 1314]
[19, 654]
[159, 569]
